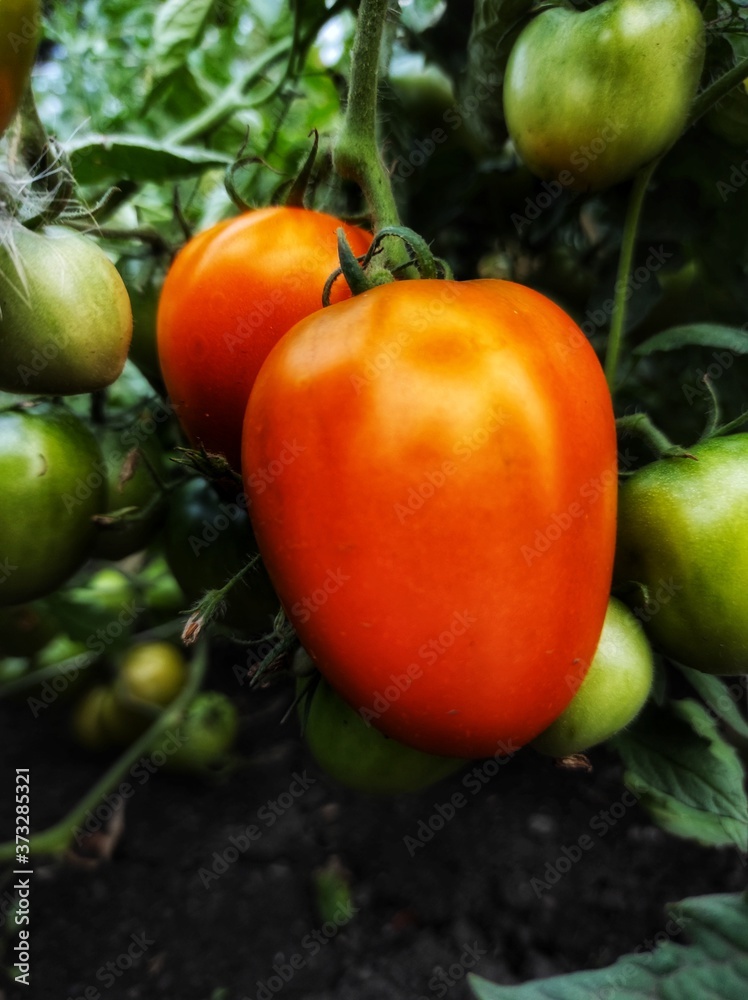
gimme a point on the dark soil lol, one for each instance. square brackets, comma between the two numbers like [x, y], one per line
[504, 886]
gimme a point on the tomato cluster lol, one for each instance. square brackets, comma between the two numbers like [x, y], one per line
[429, 466]
[148, 678]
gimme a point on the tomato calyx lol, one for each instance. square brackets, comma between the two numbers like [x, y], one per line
[379, 265]
[289, 193]
[641, 425]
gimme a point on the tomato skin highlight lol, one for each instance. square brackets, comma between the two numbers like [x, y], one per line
[230, 294]
[65, 317]
[441, 530]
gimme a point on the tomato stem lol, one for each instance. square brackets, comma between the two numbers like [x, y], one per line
[734, 425]
[356, 154]
[231, 100]
[212, 603]
[661, 445]
[717, 90]
[621, 292]
[56, 839]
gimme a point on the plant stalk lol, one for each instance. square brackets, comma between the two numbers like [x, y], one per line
[56, 839]
[356, 154]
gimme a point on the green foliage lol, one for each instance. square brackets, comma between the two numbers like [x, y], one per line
[714, 965]
[685, 774]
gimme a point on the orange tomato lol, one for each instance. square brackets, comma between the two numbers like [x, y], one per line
[229, 296]
[431, 472]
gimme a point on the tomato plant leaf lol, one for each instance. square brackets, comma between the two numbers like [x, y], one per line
[715, 964]
[685, 774]
[418, 15]
[177, 30]
[696, 335]
[720, 698]
[102, 159]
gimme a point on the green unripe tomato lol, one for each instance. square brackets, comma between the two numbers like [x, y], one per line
[86, 722]
[143, 280]
[591, 96]
[209, 730]
[47, 501]
[683, 545]
[613, 692]
[129, 459]
[121, 724]
[360, 756]
[108, 590]
[19, 32]
[66, 322]
[206, 542]
[149, 675]
[162, 595]
[153, 672]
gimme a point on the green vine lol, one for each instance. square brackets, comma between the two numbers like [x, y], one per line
[57, 839]
[356, 154]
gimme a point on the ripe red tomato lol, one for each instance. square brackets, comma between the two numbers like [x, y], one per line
[230, 294]
[431, 469]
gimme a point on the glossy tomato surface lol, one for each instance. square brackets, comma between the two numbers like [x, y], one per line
[66, 323]
[614, 690]
[431, 469]
[51, 487]
[230, 294]
[682, 554]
